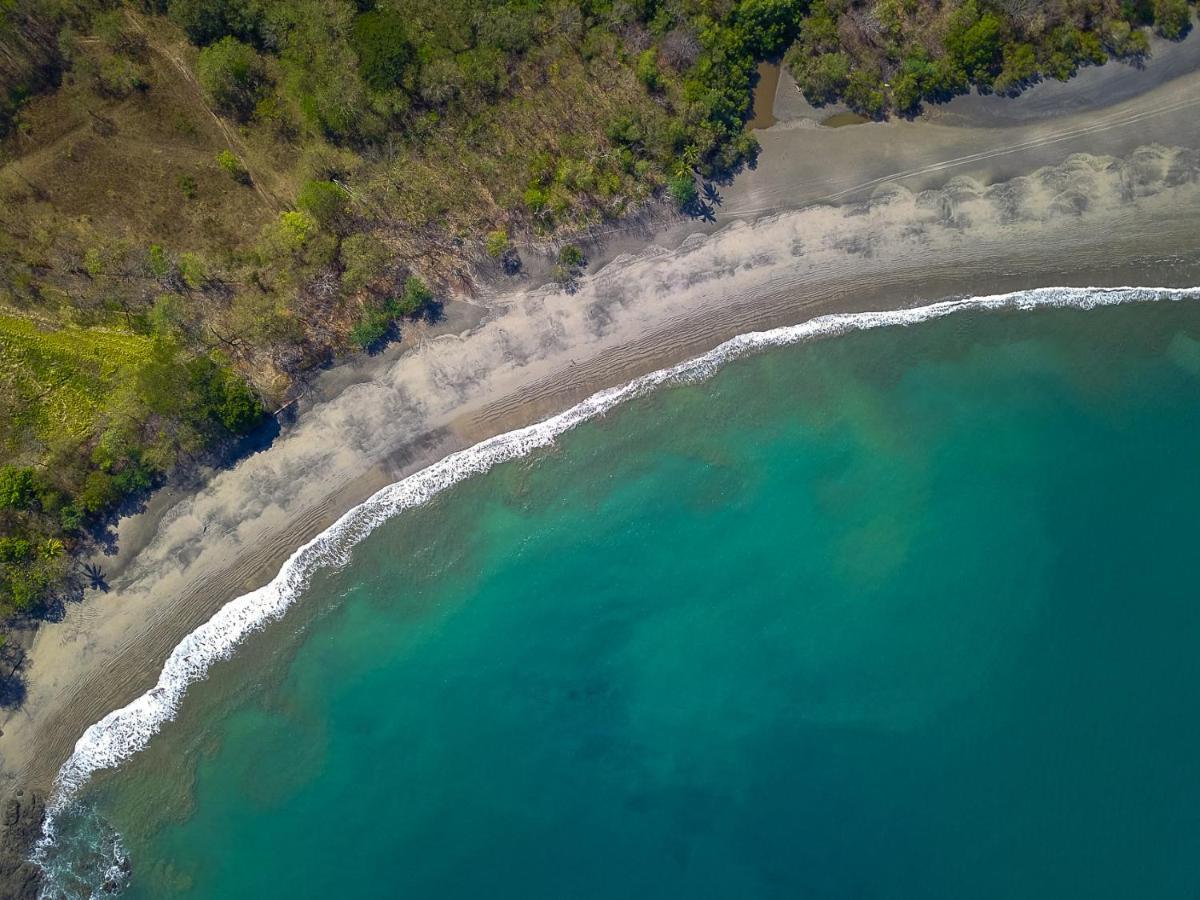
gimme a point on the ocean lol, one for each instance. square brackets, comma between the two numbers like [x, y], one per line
[904, 612]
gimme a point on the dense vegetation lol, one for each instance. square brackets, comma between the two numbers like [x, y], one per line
[895, 54]
[203, 200]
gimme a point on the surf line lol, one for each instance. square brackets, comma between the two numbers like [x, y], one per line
[125, 731]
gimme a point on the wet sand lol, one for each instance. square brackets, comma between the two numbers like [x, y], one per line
[874, 216]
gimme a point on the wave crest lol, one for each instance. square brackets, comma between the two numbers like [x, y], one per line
[125, 731]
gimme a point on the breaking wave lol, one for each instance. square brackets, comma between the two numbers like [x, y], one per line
[125, 731]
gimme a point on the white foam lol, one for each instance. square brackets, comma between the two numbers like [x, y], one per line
[125, 731]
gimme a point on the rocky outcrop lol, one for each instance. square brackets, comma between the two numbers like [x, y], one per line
[22, 823]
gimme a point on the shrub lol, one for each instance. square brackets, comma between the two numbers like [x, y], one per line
[497, 243]
[416, 298]
[907, 93]
[116, 77]
[158, 261]
[187, 186]
[822, 78]
[1171, 18]
[571, 257]
[133, 476]
[819, 30]
[682, 189]
[505, 27]
[1018, 69]
[1062, 53]
[768, 25]
[1138, 44]
[484, 74]
[1124, 40]
[71, 518]
[238, 409]
[228, 161]
[167, 316]
[1091, 49]
[115, 33]
[206, 21]
[27, 585]
[293, 230]
[441, 82]
[1069, 48]
[98, 493]
[864, 93]
[385, 52]
[647, 70]
[364, 258]
[974, 41]
[536, 199]
[192, 270]
[372, 329]
[233, 76]
[15, 549]
[220, 397]
[93, 262]
[946, 79]
[325, 201]
[626, 131]
[570, 263]
[18, 487]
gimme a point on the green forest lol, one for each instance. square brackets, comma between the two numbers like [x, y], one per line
[202, 202]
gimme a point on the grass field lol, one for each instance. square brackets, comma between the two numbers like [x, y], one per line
[57, 383]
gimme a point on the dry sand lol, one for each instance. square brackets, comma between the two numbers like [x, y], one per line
[1095, 182]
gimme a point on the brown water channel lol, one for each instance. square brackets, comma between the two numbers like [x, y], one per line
[764, 96]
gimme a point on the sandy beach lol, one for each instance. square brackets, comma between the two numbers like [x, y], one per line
[1093, 182]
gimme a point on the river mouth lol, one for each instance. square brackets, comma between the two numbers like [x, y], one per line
[764, 96]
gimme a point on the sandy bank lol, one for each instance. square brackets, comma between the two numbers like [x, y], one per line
[904, 213]
[1105, 110]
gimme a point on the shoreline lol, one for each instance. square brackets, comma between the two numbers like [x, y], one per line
[537, 351]
[527, 409]
[126, 731]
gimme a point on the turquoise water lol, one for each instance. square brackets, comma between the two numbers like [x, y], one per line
[907, 613]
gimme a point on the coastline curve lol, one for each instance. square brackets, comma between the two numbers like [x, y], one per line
[127, 730]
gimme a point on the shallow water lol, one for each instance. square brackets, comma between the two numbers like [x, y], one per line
[763, 101]
[905, 613]
[844, 119]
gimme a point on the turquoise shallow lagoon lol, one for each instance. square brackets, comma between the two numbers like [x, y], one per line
[910, 613]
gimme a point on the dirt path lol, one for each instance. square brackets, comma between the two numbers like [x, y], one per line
[232, 138]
